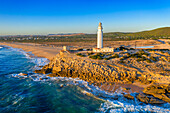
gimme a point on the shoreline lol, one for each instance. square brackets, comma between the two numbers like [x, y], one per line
[135, 87]
[35, 49]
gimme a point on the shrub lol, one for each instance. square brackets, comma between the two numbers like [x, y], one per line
[121, 61]
[80, 49]
[122, 58]
[79, 54]
[148, 61]
[106, 58]
[97, 56]
[162, 52]
[128, 54]
[90, 53]
[116, 55]
[125, 57]
[93, 57]
[139, 59]
[132, 49]
[153, 58]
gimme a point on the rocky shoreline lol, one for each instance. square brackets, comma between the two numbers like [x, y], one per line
[99, 73]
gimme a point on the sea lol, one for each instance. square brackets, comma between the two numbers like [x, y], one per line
[23, 91]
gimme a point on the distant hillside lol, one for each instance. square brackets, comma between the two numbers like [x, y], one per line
[152, 34]
[80, 37]
[159, 31]
[67, 34]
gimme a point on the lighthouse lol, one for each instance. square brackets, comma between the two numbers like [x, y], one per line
[100, 36]
[100, 41]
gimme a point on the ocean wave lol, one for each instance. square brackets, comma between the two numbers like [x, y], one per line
[113, 102]
[1, 47]
[121, 107]
[39, 61]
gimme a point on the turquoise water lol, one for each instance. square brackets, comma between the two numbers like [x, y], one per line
[145, 47]
[19, 94]
[37, 93]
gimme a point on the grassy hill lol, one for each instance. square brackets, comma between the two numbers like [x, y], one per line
[112, 36]
[152, 34]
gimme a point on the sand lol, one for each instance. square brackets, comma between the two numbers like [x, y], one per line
[37, 49]
[51, 49]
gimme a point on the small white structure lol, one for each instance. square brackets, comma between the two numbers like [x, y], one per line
[103, 49]
[100, 36]
[66, 48]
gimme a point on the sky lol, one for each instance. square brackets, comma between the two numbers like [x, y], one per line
[42, 17]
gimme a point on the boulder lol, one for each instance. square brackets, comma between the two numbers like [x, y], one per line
[143, 98]
[128, 96]
[149, 99]
[160, 91]
[56, 69]
[43, 71]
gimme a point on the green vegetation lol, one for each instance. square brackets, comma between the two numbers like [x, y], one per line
[101, 56]
[90, 53]
[97, 56]
[81, 55]
[148, 61]
[153, 58]
[115, 36]
[110, 57]
[121, 61]
[81, 49]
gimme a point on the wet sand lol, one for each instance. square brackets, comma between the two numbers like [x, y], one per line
[37, 49]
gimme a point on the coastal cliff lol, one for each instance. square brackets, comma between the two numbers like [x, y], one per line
[98, 73]
[69, 65]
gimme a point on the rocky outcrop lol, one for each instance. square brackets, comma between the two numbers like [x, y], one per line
[128, 96]
[155, 94]
[69, 65]
[149, 99]
[97, 73]
[159, 91]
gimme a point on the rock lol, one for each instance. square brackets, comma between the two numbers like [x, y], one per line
[56, 69]
[168, 89]
[158, 91]
[155, 101]
[22, 74]
[143, 98]
[149, 99]
[152, 91]
[61, 85]
[52, 75]
[128, 96]
[41, 78]
[43, 71]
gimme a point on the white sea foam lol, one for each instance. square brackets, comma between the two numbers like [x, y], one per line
[36, 60]
[121, 107]
[1, 47]
[114, 102]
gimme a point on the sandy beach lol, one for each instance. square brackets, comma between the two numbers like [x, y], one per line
[37, 49]
[50, 50]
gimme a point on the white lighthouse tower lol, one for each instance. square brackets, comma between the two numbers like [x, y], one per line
[100, 36]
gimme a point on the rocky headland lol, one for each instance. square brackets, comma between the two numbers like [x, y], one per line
[106, 73]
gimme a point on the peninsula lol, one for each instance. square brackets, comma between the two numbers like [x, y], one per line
[144, 70]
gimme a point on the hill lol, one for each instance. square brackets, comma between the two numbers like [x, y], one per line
[151, 34]
[81, 37]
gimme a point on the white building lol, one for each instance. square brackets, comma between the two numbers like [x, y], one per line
[100, 41]
[103, 49]
[100, 36]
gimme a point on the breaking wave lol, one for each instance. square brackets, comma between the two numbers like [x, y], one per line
[112, 102]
